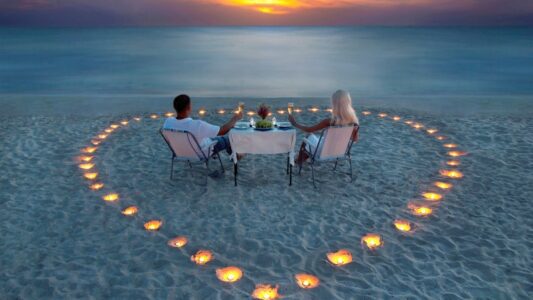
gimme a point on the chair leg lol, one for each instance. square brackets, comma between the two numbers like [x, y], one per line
[221, 165]
[351, 171]
[190, 165]
[313, 175]
[235, 170]
[171, 168]
[288, 165]
[290, 175]
[336, 162]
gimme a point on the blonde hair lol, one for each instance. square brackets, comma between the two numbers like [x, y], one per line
[342, 112]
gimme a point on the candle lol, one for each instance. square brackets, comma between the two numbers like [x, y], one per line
[89, 149]
[137, 119]
[382, 115]
[432, 196]
[86, 158]
[372, 241]
[202, 257]
[453, 163]
[396, 118]
[154, 116]
[420, 210]
[408, 122]
[265, 292]
[440, 137]
[451, 174]
[443, 185]
[178, 242]
[96, 186]
[91, 176]
[130, 211]
[366, 113]
[290, 106]
[111, 197]
[221, 111]
[431, 130]
[402, 225]
[417, 126]
[95, 142]
[240, 108]
[314, 109]
[340, 258]
[114, 126]
[109, 130]
[124, 122]
[229, 274]
[153, 225]
[307, 281]
[202, 112]
[456, 153]
[450, 145]
[102, 136]
[86, 166]
[169, 114]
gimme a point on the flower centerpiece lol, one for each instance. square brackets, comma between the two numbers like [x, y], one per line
[263, 111]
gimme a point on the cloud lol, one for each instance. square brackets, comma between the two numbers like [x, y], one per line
[264, 12]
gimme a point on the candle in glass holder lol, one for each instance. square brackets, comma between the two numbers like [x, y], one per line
[229, 274]
[290, 106]
[307, 281]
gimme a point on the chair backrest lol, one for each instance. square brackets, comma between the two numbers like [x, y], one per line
[335, 142]
[183, 144]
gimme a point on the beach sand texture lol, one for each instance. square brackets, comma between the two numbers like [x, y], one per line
[61, 240]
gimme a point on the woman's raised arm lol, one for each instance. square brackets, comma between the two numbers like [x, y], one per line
[319, 126]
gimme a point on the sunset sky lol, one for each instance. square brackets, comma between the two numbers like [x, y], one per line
[264, 12]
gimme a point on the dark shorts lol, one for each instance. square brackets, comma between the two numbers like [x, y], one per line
[222, 144]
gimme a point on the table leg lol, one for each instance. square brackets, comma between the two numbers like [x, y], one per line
[290, 175]
[288, 163]
[235, 168]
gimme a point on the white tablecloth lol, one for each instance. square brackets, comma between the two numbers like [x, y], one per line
[250, 141]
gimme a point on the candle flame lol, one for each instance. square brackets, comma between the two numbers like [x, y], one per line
[90, 176]
[137, 119]
[382, 115]
[124, 122]
[408, 122]
[450, 145]
[307, 281]
[420, 210]
[86, 166]
[169, 114]
[281, 111]
[102, 136]
[130, 210]
[202, 257]
[396, 118]
[440, 137]
[431, 130]
[417, 126]
[314, 109]
[96, 186]
[456, 153]
[95, 142]
[366, 113]
[402, 225]
[178, 242]
[451, 174]
[372, 241]
[432, 196]
[453, 163]
[202, 112]
[250, 113]
[221, 111]
[111, 197]
[86, 158]
[154, 116]
[153, 225]
[89, 149]
[109, 130]
[114, 126]
[229, 274]
[443, 185]
[265, 292]
[340, 258]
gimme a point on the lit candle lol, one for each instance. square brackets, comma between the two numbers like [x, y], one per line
[111, 197]
[396, 118]
[240, 108]
[431, 130]
[408, 122]
[153, 225]
[96, 186]
[290, 107]
[109, 130]
[372, 241]
[450, 145]
[221, 111]
[340, 258]
[102, 136]
[89, 149]
[307, 281]
[382, 115]
[297, 110]
[202, 257]
[418, 126]
[86, 158]
[124, 122]
[229, 274]
[314, 109]
[178, 242]
[95, 142]
[366, 113]
[130, 211]
[432, 196]
[265, 292]
[402, 225]
[440, 137]
[169, 114]
[154, 116]
[443, 185]
[114, 126]
[456, 153]
[281, 111]
[453, 163]
[86, 166]
[329, 109]
[451, 174]
[420, 210]
[137, 119]
[90, 176]
[202, 112]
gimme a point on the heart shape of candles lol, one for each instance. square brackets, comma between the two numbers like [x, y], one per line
[342, 257]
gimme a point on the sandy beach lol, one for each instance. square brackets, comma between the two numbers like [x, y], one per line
[61, 240]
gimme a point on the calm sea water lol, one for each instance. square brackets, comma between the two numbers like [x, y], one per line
[267, 62]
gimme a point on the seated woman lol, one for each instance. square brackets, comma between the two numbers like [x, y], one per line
[342, 114]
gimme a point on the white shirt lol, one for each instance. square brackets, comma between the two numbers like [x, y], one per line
[200, 129]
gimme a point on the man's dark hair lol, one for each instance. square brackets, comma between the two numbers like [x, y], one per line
[181, 102]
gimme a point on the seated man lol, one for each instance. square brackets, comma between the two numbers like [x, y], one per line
[200, 129]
